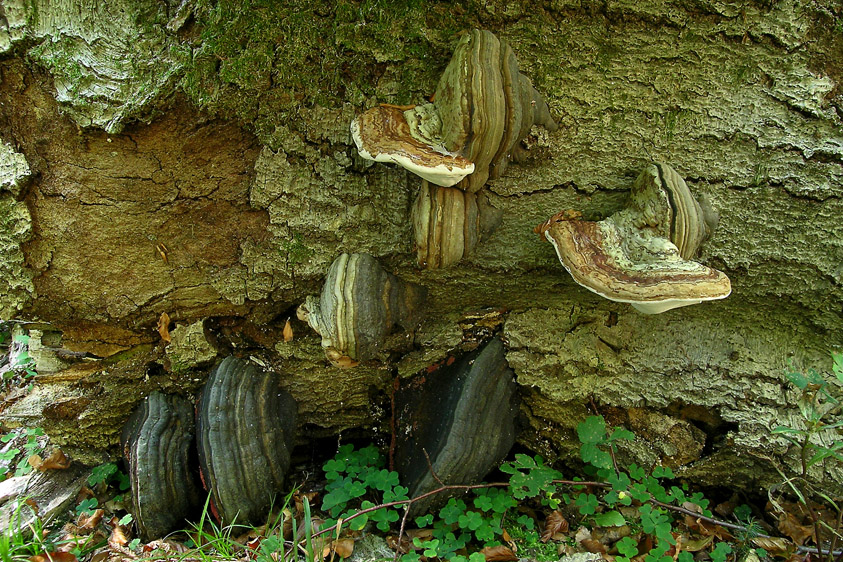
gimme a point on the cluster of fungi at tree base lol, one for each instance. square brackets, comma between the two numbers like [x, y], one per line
[244, 431]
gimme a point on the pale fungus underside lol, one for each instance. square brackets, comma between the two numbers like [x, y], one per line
[641, 254]
[360, 305]
[482, 109]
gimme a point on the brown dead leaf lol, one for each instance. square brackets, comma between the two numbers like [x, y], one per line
[287, 333]
[790, 526]
[697, 545]
[776, 546]
[707, 529]
[34, 460]
[55, 556]
[343, 547]
[346, 362]
[554, 524]
[89, 521]
[118, 536]
[392, 543]
[164, 327]
[498, 553]
[508, 540]
[594, 546]
[56, 461]
[101, 556]
[299, 501]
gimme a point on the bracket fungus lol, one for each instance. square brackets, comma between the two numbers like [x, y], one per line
[360, 305]
[448, 223]
[457, 421]
[383, 135]
[483, 107]
[244, 427]
[157, 446]
[642, 254]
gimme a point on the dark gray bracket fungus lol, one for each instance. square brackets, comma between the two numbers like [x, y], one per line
[158, 448]
[462, 415]
[448, 223]
[641, 254]
[359, 307]
[245, 424]
[482, 109]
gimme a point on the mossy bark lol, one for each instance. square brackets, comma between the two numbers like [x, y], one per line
[217, 181]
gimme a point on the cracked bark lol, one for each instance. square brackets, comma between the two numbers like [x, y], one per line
[740, 98]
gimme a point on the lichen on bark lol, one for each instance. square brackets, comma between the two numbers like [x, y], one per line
[110, 61]
[15, 229]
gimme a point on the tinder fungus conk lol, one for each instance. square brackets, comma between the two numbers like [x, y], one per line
[642, 254]
[448, 223]
[462, 415]
[483, 107]
[245, 424]
[360, 305]
[158, 446]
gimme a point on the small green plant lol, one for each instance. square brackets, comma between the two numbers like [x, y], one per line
[20, 362]
[108, 474]
[33, 441]
[818, 440]
[469, 523]
[87, 506]
[357, 474]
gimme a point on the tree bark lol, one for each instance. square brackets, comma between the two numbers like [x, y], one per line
[195, 160]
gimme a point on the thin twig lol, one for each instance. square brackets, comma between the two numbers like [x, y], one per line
[401, 534]
[430, 467]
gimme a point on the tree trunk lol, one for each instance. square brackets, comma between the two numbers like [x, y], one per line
[195, 160]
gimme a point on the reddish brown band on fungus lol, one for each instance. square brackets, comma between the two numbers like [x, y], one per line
[581, 248]
[384, 130]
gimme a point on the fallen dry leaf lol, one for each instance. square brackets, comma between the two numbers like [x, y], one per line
[790, 526]
[343, 547]
[55, 556]
[696, 545]
[594, 546]
[101, 556]
[707, 529]
[164, 327]
[508, 540]
[56, 461]
[297, 498]
[34, 460]
[498, 553]
[89, 521]
[776, 546]
[118, 536]
[554, 524]
[287, 332]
